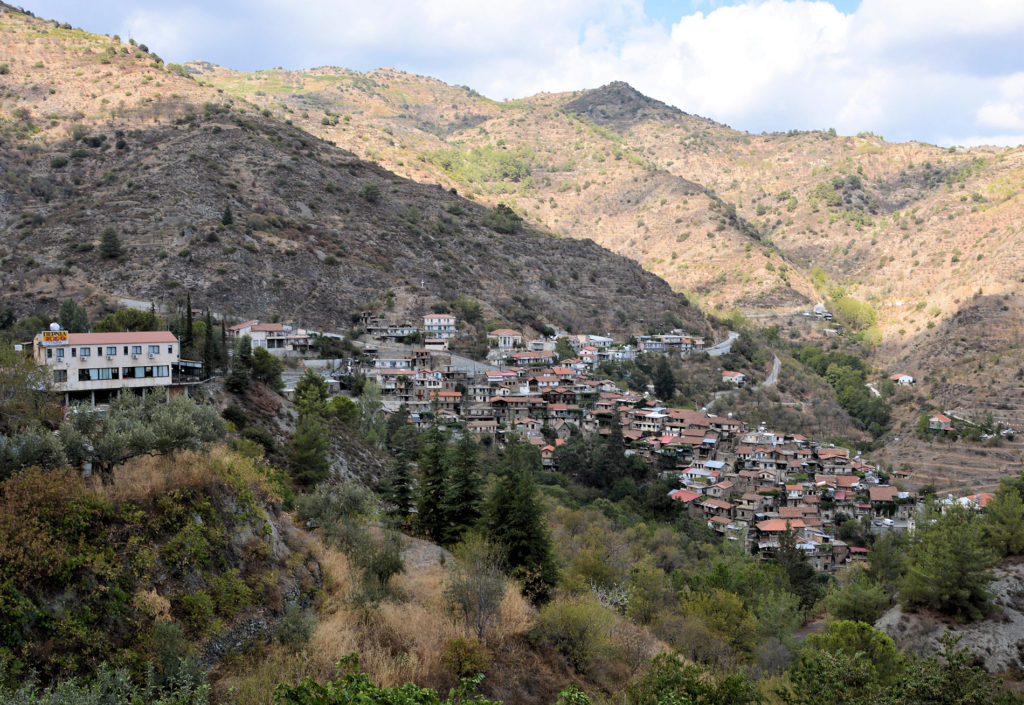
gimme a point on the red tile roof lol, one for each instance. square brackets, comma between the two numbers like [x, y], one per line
[149, 336]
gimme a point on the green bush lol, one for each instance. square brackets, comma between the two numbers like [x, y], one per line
[295, 629]
[59, 162]
[502, 219]
[578, 628]
[371, 193]
[196, 610]
[230, 593]
[465, 657]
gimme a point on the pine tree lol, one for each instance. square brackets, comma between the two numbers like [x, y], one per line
[307, 452]
[948, 565]
[72, 317]
[433, 462]
[311, 393]
[513, 521]
[803, 580]
[110, 243]
[396, 489]
[227, 218]
[464, 491]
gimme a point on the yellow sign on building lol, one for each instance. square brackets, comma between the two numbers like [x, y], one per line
[55, 337]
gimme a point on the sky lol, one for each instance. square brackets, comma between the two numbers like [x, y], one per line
[939, 71]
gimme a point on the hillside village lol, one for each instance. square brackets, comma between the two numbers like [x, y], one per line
[750, 485]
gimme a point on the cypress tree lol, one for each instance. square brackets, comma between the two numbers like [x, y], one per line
[187, 337]
[664, 380]
[241, 366]
[513, 520]
[433, 464]
[461, 506]
[209, 345]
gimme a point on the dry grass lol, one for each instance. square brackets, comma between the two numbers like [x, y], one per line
[145, 478]
[398, 641]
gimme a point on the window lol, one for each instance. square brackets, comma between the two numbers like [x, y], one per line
[86, 352]
[136, 350]
[163, 371]
[154, 349]
[72, 352]
[111, 350]
[49, 353]
[170, 349]
[125, 349]
[97, 374]
[60, 353]
[99, 350]
[60, 376]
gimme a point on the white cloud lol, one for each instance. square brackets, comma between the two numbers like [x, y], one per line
[934, 70]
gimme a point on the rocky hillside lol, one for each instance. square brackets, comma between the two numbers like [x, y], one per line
[770, 221]
[250, 213]
[996, 640]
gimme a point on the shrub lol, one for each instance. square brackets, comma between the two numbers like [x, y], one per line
[502, 219]
[296, 629]
[59, 162]
[578, 628]
[371, 192]
[196, 610]
[465, 657]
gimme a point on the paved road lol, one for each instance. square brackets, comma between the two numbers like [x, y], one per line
[773, 376]
[724, 347]
[770, 381]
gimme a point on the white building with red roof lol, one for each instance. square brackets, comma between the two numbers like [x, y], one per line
[95, 366]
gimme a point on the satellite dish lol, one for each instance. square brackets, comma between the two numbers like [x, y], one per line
[55, 326]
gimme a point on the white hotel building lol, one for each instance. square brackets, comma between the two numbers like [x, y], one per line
[96, 366]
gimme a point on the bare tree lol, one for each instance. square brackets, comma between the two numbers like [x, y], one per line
[476, 586]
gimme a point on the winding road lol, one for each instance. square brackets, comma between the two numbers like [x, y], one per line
[719, 349]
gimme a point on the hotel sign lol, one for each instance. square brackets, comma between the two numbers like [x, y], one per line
[55, 337]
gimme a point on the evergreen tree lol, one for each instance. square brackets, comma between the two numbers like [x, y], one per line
[1004, 521]
[803, 581]
[433, 462]
[187, 338]
[514, 521]
[664, 380]
[72, 317]
[395, 424]
[209, 345]
[948, 565]
[223, 350]
[307, 452]
[396, 489]
[311, 393]
[241, 366]
[464, 491]
[110, 243]
[267, 368]
[227, 218]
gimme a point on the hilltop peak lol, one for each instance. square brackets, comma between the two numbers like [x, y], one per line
[618, 104]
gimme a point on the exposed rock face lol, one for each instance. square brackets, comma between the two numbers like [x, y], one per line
[619, 105]
[998, 641]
